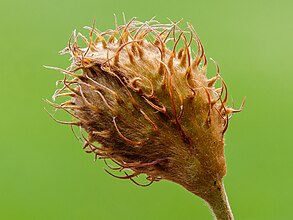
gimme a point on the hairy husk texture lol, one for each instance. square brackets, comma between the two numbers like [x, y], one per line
[149, 107]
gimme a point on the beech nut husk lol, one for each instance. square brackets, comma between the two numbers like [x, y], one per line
[142, 95]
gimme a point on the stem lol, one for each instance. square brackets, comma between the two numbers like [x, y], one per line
[219, 204]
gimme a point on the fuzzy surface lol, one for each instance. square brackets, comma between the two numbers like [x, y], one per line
[141, 94]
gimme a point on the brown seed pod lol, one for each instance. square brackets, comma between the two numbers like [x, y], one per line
[149, 107]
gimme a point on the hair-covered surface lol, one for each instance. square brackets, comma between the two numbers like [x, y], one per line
[141, 93]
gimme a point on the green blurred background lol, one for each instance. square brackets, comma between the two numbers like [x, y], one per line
[45, 174]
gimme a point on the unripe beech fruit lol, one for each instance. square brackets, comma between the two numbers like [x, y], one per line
[149, 107]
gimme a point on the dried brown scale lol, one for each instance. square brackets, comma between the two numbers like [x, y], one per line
[151, 109]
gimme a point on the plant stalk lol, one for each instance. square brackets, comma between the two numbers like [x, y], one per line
[219, 204]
